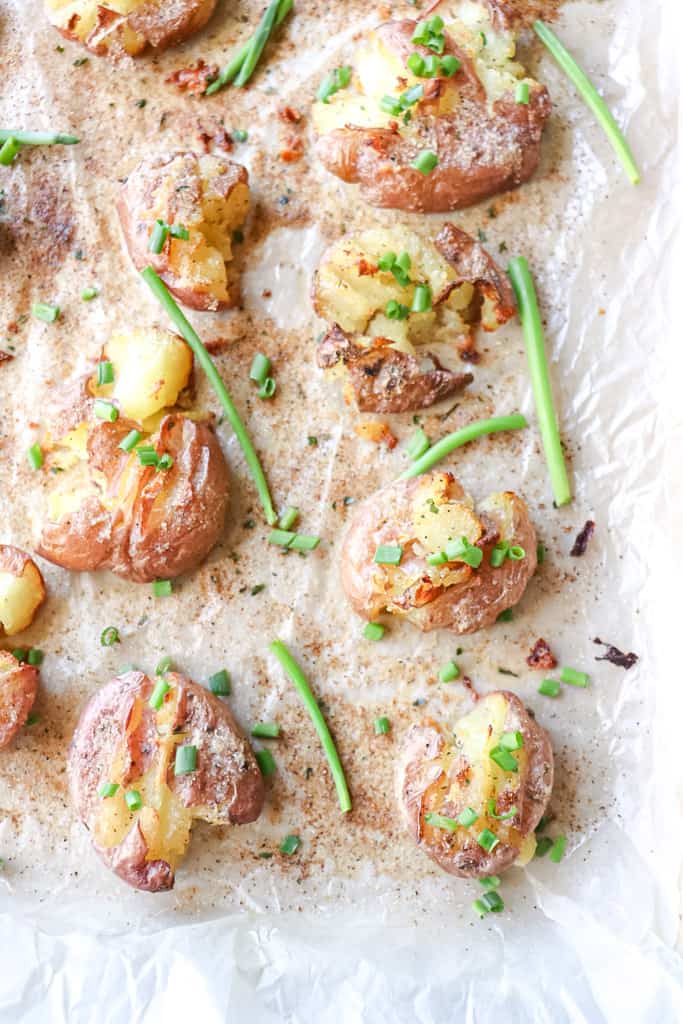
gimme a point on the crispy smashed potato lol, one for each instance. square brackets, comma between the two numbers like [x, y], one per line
[441, 582]
[375, 337]
[493, 770]
[204, 197]
[142, 830]
[460, 104]
[22, 590]
[146, 515]
[117, 28]
[18, 689]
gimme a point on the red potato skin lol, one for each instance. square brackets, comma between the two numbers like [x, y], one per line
[162, 23]
[419, 768]
[18, 689]
[227, 784]
[463, 607]
[481, 153]
[14, 560]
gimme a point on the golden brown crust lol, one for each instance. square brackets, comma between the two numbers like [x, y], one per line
[18, 689]
[473, 263]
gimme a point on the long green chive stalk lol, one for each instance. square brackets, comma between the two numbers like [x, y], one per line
[157, 286]
[591, 97]
[242, 65]
[527, 305]
[37, 138]
[460, 437]
[293, 670]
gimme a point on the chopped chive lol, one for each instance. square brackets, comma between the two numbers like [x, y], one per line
[130, 440]
[165, 462]
[471, 432]
[89, 293]
[373, 630]
[492, 901]
[239, 135]
[574, 677]
[257, 588]
[449, 672]
[158, 236]
[382, 726]
[492, 882]
[504, 759]
[425, 162]
[164, 666]
[105, 373]
[162, 588]
[391, 105]
[422, 299]
[388, 554]
[416, 64]
[462, 551]
[147, 455]
[491, 811]
[549, 688]
[20, 653]
[266, 730]
[283, 538]
[396, 310]
[540, 554]
[480, 908]
[268, 388]
[448, 65]
[544, 844]
[488, 840]
[37, 138]
[105, 410]
[161, 688]
[43, 311]
[467, 817]
[8, 151]
[133, 800]
[516, 553]
[418, 444]
[303, 542]
[108, 789]
[499, 554]
[441, 821]
[290, 844]
[437, 558]
[110, 636]
[332, 83]
[35, 656]
[558, 848]
[219, 683]
[266, 762]
[178, 231]
[522, 92]
[289, 518]
[35, 456]
[185, 759]
[512, 741]
[505, 616]
[32, 719]
[260, 368]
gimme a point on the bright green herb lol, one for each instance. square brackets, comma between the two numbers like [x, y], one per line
[219, 683]
[448, 65]
[108, 789]
[499, 554]
[8, 151]
[333, 83]
[133, 800]
[558, 848]
[441, 821]
[185, 759]
[289, 518]
[437, 558]
[512, 741]
[425, 161]
[422, 299]
[488, 840]
[522, 92]
[549, 688]
[110, 636]
[302, 542]
[105, 373]
[130, 440]
[43, 311]
[490, 902]
[492, 882]
[574, 677]
[179, 231]
[239, 135]
[162, 588]
[283, 538]
[396, 310]
[37, 138]
[544, 844]
[540, 554]
[449, 672]
[373, 630]
[268, 388]
[260, 368]
[418, 444]
[147, 455]
[32, 719]
[290, 844]
[382, 726]
[467, 817]
[491, 811]
[89, 293]
[505, 616]
[19, 653]
[462, 551]
[105, 410]
[266, 730]
[165, 462]
[160, 690]
[35, 656]
[164, 666]
[266, 763]
[430, 34]
[35, 456]
[158, 236]
[504, 759]
[471, 432]
[388, 554]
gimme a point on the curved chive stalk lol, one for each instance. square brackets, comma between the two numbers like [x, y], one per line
[460, 437]
[235, 66]
[37, 138]
[157, 286]
[591, 97]
[527, 305]
[293, 670]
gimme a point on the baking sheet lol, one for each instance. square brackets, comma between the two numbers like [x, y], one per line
[359, 926]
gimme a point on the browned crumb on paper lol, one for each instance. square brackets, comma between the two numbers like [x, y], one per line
[376, 431]
[5, 357]
[582, 539]
[541, 657]
[615, 656]
[193, 79]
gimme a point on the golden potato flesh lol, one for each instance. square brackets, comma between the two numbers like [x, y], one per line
[22, 590]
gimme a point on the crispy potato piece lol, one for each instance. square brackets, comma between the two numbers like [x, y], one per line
[209, 197]
[485, 141]
[120, 739]
[452, 595]
[22, 590]
[116, 28]
[446, 771]
[151, 368]
[383, 356]
[18, 689]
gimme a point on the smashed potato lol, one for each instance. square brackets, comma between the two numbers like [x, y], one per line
[459, 567]
[144, 490]
[368, 287]
[22, 590]
[148, 758]
[18, 689]
[116, 28]
[201, 201]
[452, 93]
[472, 796]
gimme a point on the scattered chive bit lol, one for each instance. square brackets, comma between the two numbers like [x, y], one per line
[110, 636]
[80, 61]
[505, 616]
[260, 368]
[219, 683]
[162, 588]
[179, 231]
[130, 440]
[512, 741]
[312, 441]
[522, 92]
[467, 817]
[141, 104]
[504, 759]
[440, 449]
[429, 33]
[35, 656]
[239, 135]
[35, 456]
[161, 688]
[19, 653]
[290, 844]
[257, 588]
[158, 236]
[43, 311]
[241, 67]
[32, 719]
[441, 821]
[462, 551]
[266, 763]
[105, 373]
[573, 677]
[164, 666]
[89, 293]
[147, 455]
[133, 800]
[490, 902]
[491, 811]
[8, 151]
[488, 840]
[332, 83]
[499, 554]
[549, 688]
[165, 462]
[289, 517]
[294, 541]
[266, 730]
[418, 444]
[449, 672]
[395, 310]
[544, 844]
[382, 726]
[540, 554]
[492, 882]
[185, 759]
[558, 848]
[425, 161]
[373, 630]
[265, 855]
[268, 388]
[105, 410]
[388, 554]
[399, 266]
[108, 789]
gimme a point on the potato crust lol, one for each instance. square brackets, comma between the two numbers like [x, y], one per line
[18, 689]
[22, 590]
[444, 771]
[120, 739]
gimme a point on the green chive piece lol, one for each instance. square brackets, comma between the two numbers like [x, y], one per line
[441, 821]
[422, 299]
[289, 518]
[239, 135]
[35, 456]
[448, 65]
[493, 901]
[516, 553]
[35, 656]
[522, 92]
[479, 907]
[37, 138]
[266, 730]
[164, 666]
[505, 616]
[540, 554]
[549, 688]
[544, 844]
[219, 683]
[43, 311]
[8, 151]
[449, 672]
[20, 653]
[32, 719]
[161, 688]
[105, 410]
[302, 542]
[499, 554]
[416, 64]
[268, 388]
[467, 817]
[462, 551]
[158, 236]
[488, 840]
[260, 368]
[388, 554]
[391, 105]
[162, 588]
[185, 759]
[491, 811]
[418, 444]
[89, 293]
[266, 763]
[332, 83]
[492, 882]
[110, 636]
[373, 630]
[382, 726]
[165, 462]
[178, 231]
[396, 310]
[591, 97]
[558, 848]
[386, 261]
[512, 741]
[440, 449]
[290, 844]
[425, 161]
[105, 373]
[133, 800]
[108, 789]
[527, 305]
[293, 670]
[574, 677]
[438, 558]
[504, 759]
[147, 455]
[130, 440]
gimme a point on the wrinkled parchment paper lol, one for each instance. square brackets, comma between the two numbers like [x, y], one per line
[359, 926]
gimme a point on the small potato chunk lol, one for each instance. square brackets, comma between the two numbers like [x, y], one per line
[151, 368]
[467, 773]
[116, 28]
[206, 196]
[22, 590]
[422, 515]
[18, 689]
[122, 740]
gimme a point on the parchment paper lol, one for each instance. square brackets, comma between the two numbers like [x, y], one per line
[359, 926]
